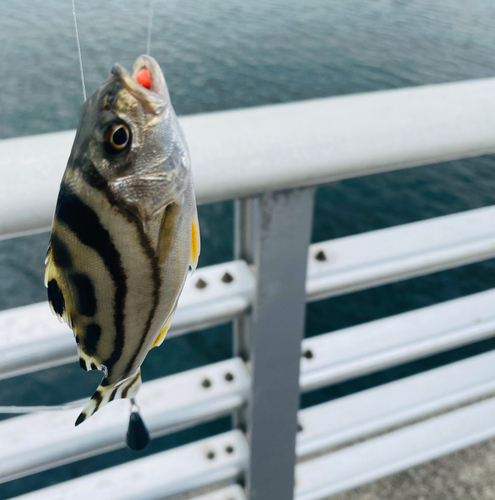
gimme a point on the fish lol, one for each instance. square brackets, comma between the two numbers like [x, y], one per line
[125, 231]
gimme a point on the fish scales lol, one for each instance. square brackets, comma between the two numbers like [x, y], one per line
[125, 230]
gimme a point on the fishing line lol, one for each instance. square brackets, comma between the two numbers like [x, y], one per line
[150, 22]
[34, 409]
[79, 49]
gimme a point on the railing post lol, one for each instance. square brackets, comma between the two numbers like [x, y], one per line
[273, 234]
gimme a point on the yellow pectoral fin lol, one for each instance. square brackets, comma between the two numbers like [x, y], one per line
[195, 243]
[163, 332]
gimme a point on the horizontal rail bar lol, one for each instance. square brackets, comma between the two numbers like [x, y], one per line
[49, 440]
[179, 470]
[31, 339]
[363, 463]
[375, 258]
[232, 492]
[41, 441]
[352, 352]
[303, 143]
[26, 439]
[396, 403]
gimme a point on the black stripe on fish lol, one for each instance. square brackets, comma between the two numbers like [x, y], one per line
[56, 297]
[86, 303]
[166, 232]
[85, 224]
[129, 384]
[91, 175]
[97, 398]
[125, 391]
[112, 396]
[60, 253]
[157, 284]
[91, 338]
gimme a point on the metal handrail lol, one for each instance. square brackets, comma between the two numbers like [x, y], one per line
[49, 442]
[243, 153]
[35, 341]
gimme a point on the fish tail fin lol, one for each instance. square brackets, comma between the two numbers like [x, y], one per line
[106, 393]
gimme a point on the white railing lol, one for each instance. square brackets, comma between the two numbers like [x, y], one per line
[247, 152]
[272, 158]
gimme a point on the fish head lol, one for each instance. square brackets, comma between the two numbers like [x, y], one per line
[130, 143]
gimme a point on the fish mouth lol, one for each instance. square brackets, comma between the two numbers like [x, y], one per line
[154, 98]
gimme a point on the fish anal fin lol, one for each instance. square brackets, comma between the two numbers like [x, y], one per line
[127, 388]
[195, 243]
[163, 332]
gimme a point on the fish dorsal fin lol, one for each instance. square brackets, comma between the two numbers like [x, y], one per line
[61, 304]
[195, 243]
[57, 296]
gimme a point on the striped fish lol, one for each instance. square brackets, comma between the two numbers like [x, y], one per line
[125, 230]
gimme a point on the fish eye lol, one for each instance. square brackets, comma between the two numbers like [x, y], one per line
[117, 137]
